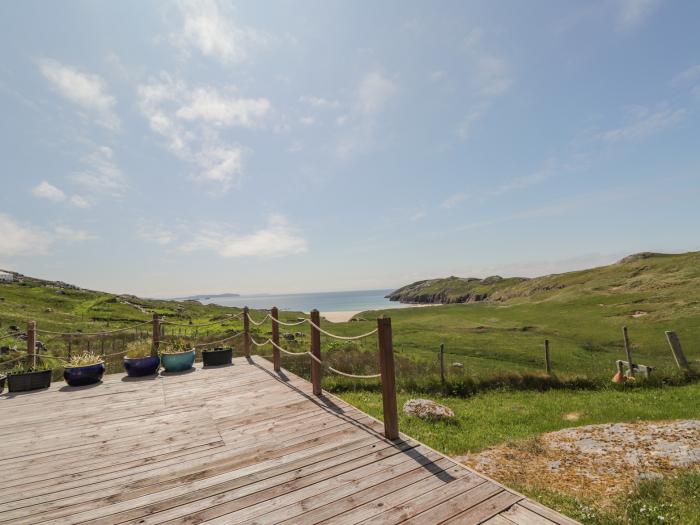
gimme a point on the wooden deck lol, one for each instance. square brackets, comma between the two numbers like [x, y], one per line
[238, 444]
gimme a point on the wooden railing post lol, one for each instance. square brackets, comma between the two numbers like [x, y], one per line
[246, 332]
[316, 351]
[274, 313]
[155, 346]
[386, 365]
[31, 343]
[677, 350]
[628, 350]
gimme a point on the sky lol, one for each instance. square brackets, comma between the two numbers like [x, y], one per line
[173, 148]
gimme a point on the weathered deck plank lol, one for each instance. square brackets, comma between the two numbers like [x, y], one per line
[238, 444]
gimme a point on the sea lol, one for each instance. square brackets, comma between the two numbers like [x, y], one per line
[305, 302]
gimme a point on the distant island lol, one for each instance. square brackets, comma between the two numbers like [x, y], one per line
[207, 297]
[450, 290]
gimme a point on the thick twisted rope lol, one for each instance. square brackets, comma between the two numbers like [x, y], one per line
[258, 323]
[220, 340]
[341, 337]
[201, 325]
[104, 332]
[288, 324]
[23, 356]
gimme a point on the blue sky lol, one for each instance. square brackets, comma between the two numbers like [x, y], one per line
[167, 148]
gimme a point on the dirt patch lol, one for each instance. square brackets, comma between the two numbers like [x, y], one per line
[602, 461]
[639, 313]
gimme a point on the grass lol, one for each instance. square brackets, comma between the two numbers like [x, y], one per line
[493, 417]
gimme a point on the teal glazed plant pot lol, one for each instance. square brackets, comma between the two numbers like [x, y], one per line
[178, 362]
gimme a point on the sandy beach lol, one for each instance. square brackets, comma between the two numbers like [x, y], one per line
[345, 316]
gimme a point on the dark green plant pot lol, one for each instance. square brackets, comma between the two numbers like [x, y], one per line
[2, 382]
[29, 381]
[217, 356]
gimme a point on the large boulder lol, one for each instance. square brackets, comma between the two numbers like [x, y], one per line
[427, 409]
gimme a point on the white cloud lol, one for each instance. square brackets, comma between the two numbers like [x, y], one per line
[453, 200]
[276, 239]
[158, 234]
[46, 190]
[101, 175]
[19, 239]
[633, 13]
[209, 105]
[319, 102]
[86, 90]
[79, 201]
[643, 122]
[188, 120]
[490, 77]
[208, 26]
[220, 165]
[307, 120]
[688, 75]
[374, 92]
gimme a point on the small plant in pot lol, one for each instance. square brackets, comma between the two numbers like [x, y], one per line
[24, 377]
[139, 361]
[85, 369]
[217, 356]
[177, 356]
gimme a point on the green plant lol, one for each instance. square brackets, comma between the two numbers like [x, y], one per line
[176, 347]
[139, 348]
[85, 359]
[24, 368]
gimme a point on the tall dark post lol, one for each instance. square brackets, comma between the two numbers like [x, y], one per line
[31, 343]
[442, 363]
[246, 332]
[386, 364]
[628, 350]
[547, 362]
[316, 351]
[274, 313]
[155, 345]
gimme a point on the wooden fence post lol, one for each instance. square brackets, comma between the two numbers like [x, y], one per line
[155, 344]
[547, 362]
[316, 351]
[677, 350]
[628, 351]
[246, 333]
[442, 363]
[386, 365]
[274, 313]
[31, 343]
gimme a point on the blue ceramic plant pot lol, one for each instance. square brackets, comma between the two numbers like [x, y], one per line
[178, 362]
[84, 375]
[141, 366]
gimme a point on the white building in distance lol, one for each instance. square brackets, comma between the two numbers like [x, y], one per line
[6, 277]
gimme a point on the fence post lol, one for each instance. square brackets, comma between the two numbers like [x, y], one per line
[628, 351]
[316, 351]
[547, 362]
[155, 346]
[274, 313]
[31, 343]
[442, 363]
[246, 333]
[677, 350]
[386, 365]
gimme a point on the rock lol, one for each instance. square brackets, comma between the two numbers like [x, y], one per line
[427, 409]
[457, 365]
[647, 476]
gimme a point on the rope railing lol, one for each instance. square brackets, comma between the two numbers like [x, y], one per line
[341, 337]
[202, 325]
[10, 361]
[297, 323]
[258, 323]
[103, 332]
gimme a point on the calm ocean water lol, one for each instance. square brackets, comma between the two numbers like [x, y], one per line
[305, 302]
